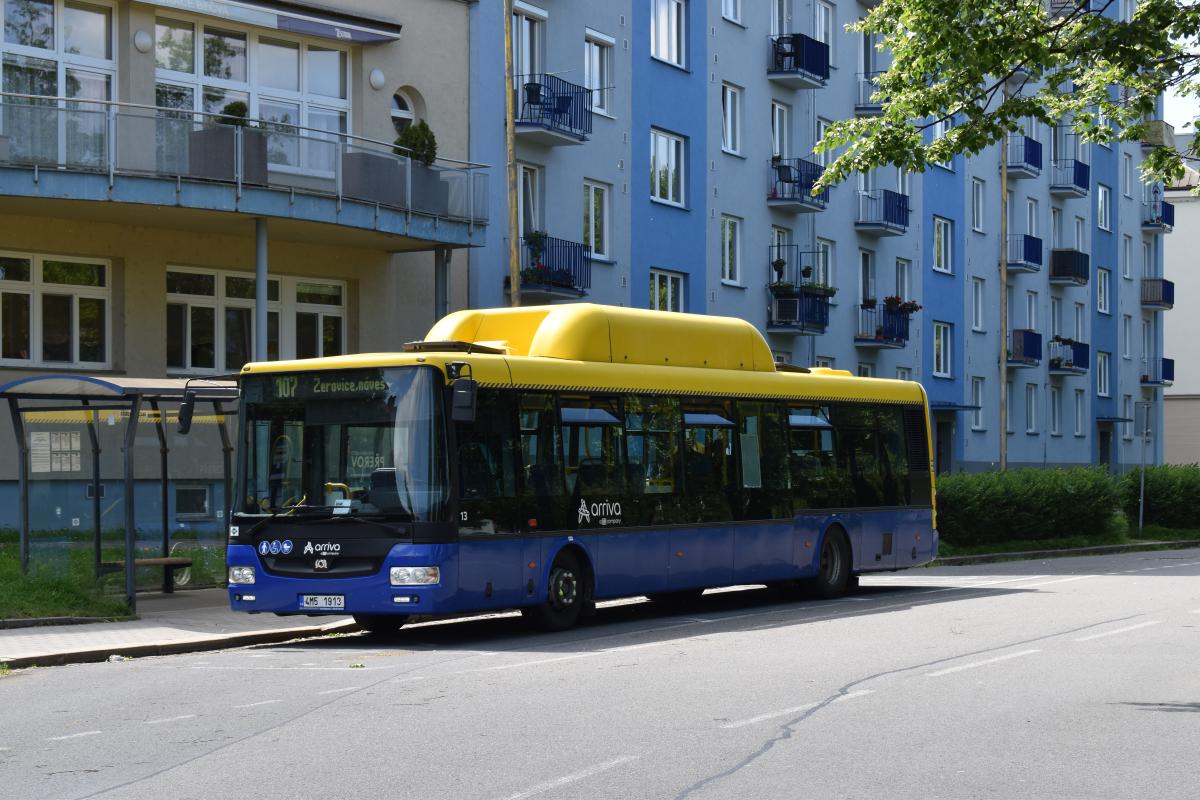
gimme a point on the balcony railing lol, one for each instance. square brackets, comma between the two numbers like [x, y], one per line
[1158, 215]
[883, 209]
[1069, 266]
[1071, 177]
[798, 301]
[797, 53]
[127, 139]
[555, 265]
[882, 325]
[868, 102]
[1068, 357]
[1158, 293]
[552, 103]
[1024, 155]
[1024, 348]
[1024, 253]
[1158, 372]
[792, 181]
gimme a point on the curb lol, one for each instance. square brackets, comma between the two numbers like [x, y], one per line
[38, 622]
[1107, 549]
[218, 642]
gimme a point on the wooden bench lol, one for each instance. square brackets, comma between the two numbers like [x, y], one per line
[169, 566]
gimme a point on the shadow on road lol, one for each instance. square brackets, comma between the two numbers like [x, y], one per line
[1193, 707]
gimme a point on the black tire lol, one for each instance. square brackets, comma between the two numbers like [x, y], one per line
[565, 594]
[676, 601]
[381, 623]
[833, 570]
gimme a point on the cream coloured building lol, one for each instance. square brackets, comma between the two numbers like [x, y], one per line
[1181, 408]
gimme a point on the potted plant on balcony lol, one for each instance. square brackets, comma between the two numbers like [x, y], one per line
[781, 288]
[430, 192]
[821, 289]
[212, 152]
[806, 271]
[536, 242]
[868, 303]
[778, 265]
[892, 301]
[910, 307]
[1056, 363]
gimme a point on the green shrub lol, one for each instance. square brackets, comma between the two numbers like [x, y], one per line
[1172, 495]
[418, 141]
[1025, 504]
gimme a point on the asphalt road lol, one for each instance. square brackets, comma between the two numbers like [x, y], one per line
[1069, 678]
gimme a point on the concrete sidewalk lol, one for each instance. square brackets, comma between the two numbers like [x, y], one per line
[185, 621]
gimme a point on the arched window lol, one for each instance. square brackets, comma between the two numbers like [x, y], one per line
[402, 112]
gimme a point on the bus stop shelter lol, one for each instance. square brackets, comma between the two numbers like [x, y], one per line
[135, 399]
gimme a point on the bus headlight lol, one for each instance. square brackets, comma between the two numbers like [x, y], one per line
[241, 575]
[414, 576]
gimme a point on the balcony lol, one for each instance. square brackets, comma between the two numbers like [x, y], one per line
[552, 112]
[1158, 293]
[1024, 253]
[1070, 178]
[868, 103]
[791, 182]
[1158, 372]
[1158, 216]
[884, 328]
[1068, 357]
[1024, 156]
[1024, 348]
[138, 156]
[882, 212]
[798, 303]
[1069, 267]
[798, 61]
[553, 269]
[1158, 133]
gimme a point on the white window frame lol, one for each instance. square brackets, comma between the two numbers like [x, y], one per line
[596, 195]
[528, 35]
[36, 288]
[866, 370]
[191, 487]
[1031, 408]
[823, 362]
[943, 245]
[1056, 231]
[781, 129]
[731, 119]
[1080, 412]
[1032, 216]
[1103, 285]
[823, 268]
[943, 342]
[1147, 259]
[825, 157]
[1055, 411]
[732, 10]
[598, 70]
[1127, 257]
[669, 44]
[676, 162]
[977, 389]
[1031, 310]
[978, 287]
[1127, 174]
[1103, 360]
[825, 25]
[977, 204]
[1055, 316]
[1080, 234]
[1127, 336]
[904, 373]
[1103, 207]
[1128, 413]
[904, 279]
[1080, 316]
[670, 280]
[731, 250]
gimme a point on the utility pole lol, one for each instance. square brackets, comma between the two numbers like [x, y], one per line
[1004, 296]
[510, 149]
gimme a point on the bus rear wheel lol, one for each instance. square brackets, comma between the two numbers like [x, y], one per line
[564, 596]
[381, 623]
[833, 571]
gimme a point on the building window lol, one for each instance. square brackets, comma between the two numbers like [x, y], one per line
[295, 85]
[1080, 233]
[529, 209]
[903, 278]
[732, 10]
[192, 502]
[824, 157]
[1127, 413]
[866, 370]
[1008, 406]
[781, 130]
[1031, 408]
[825, 25]
[1103, 207]
[1031, 310]
[823, 268]
[1127, 257]
[731, 118]
[941, 348]
[1055, 411]
[1127, 175]
[1147, 259]
[210, 319]
[1102, 360]
[1103, 277]
[666, 290]
[1079, 322]
[54, 310]
[597, 72]
[731, 248]
[977, 402]
[1080, 407]
[824, 362]
[595, 218]
[866, 276]
[1055, 316]
[942, 242]
[1056, 228]
[666, 167]
[667, 23]
[403, 115]
[1032, 216]
[940, 128]
[1126, 336]
[977, 189]
[526, 47]
[977, 287]
[904, 373]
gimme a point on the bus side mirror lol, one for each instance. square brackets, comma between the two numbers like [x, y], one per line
[462, 403]
[186, 409]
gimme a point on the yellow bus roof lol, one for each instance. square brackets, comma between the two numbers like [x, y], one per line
[587, 347]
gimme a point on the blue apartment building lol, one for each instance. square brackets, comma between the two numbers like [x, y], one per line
[892, 275]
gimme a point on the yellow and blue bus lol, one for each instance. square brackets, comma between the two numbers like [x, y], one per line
[544, 458]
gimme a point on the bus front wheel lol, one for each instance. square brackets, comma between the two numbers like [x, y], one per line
[381, 623]
[833, 571]
[564, 596]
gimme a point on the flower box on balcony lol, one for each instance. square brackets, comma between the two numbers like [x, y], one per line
[375, 177]
[784, 289]
[211, 153]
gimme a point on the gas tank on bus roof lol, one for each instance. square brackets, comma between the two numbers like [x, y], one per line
[590, 332]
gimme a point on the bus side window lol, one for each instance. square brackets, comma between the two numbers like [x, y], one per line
[541, 468]
[763, 457]
[652, 438]
[859, 454]
[708, 465]
[816, 480]
[593, 450]
[894, 457]
[487, 465]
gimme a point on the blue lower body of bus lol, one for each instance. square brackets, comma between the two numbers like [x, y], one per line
[485, 573]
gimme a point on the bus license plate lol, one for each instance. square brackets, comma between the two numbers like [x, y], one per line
[322, 601]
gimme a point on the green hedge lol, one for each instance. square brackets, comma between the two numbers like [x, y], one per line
[1172, 495]
[1025, 504]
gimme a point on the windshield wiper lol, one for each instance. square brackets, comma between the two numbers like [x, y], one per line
[283, 512]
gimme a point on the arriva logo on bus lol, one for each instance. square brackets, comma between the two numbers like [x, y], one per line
[606, 513]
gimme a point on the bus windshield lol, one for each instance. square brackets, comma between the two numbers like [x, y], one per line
[346, 442]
